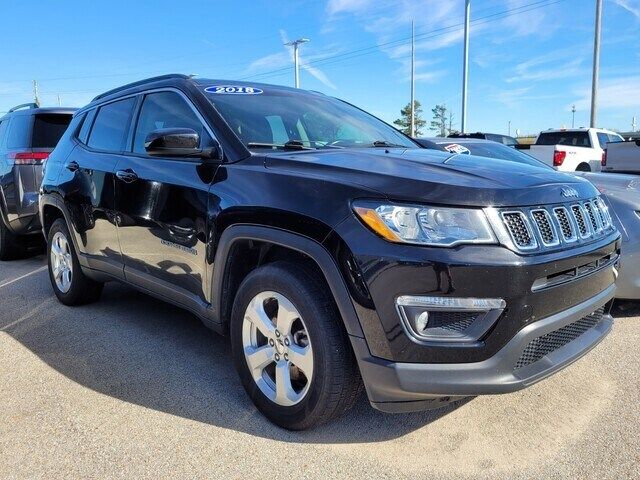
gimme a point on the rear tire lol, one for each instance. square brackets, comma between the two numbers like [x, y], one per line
[70, 284]
[9, 247]
[292, 305]
[583, 167]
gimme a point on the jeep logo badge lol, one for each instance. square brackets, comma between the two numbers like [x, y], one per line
[569, 192]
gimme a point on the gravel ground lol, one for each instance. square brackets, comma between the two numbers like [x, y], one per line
[131, 387]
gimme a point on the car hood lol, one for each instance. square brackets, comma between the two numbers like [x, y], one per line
[422, 175]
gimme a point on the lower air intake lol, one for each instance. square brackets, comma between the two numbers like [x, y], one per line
[544, 345]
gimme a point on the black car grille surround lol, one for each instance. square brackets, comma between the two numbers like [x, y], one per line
[532, 229]
[550, 342]
[516, 224]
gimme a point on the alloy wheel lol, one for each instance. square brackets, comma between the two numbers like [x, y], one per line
[277, 348]
[61, 262]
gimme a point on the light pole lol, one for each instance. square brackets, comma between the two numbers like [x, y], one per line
[295, 44]
[573, 116]
[596, 65]
[465, 66]
[412, 128]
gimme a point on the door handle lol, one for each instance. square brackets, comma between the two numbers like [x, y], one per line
[72, 166]
[127, 176]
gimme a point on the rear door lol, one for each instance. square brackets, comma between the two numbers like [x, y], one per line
[162, 205]
[87, 183]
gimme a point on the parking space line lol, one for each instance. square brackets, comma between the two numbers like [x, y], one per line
[23, 276]
[27, 315]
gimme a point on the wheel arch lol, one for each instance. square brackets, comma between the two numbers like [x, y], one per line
[230, 268]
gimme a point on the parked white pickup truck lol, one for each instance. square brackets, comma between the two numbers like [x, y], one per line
[580, 149]
[622, 157]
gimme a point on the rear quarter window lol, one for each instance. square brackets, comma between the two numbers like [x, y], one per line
[19, 131]
[48, 128]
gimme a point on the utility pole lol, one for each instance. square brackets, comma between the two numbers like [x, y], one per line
[465, 66]
[633, 124]
[509, 127]
[295, 44]
[596, 65]
[573, 116]
[59, 101]
[412, 129]
[36, 97]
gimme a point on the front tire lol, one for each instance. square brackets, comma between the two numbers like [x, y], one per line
[290, 347]
[70, 284]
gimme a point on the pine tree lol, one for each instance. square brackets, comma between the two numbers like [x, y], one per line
[439, 122]
[404, 122]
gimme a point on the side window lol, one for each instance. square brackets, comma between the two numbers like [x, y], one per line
[111, 125]
[603, 139]
[166, 110]
[83, 134]
[19, 131]
[615, 138]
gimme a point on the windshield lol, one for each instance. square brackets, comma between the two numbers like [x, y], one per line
[501, 152]
[271, 119]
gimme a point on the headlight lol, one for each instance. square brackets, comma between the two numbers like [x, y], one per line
[424, 225]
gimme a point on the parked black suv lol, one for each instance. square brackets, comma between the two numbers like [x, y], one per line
[329, 246]
[27, 135]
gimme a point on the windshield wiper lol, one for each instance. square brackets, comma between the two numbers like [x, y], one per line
[290, 145]
[384, 143]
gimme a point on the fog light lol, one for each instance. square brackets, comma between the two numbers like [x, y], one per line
[448, 319]
[421, 321]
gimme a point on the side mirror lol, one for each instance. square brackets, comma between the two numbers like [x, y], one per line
[179, 142]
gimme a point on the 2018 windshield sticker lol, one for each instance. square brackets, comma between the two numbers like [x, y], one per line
[233, 90]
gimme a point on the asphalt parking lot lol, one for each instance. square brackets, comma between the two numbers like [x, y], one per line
[131, 387]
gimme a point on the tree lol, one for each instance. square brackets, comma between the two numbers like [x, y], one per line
[439, 122]
[404, 122]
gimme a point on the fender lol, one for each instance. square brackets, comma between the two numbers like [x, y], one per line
[55, 201]
[314, 250]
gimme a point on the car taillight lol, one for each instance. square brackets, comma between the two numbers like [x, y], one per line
[603, 162]
[558, 157]
[28, 158]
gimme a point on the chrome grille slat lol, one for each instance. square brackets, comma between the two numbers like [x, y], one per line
[518, 227]
[566, 225]
[546, 229]
[581, 220]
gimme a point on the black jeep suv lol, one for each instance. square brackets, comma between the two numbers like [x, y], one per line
[331, 248]
[27, 135]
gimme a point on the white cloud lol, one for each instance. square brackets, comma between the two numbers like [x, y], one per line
[285, 58]
[614, 93]
[562, 63]
[632, 6]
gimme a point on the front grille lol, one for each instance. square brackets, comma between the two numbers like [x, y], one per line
[543, 228]
[519, 230]
[453, 321]
[544, 345]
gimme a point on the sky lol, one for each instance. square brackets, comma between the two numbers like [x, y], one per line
[530, 60]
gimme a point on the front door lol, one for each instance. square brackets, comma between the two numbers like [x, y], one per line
[162, 205]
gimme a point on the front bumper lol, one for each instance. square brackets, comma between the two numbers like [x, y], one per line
[401, 387]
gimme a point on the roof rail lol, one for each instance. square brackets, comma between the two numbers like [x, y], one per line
[141, 82]
[24, 105]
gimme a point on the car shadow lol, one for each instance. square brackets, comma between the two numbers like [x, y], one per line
[625, 309]
[140, 350]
